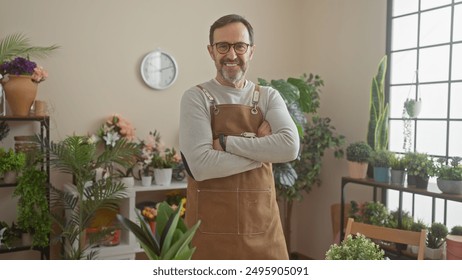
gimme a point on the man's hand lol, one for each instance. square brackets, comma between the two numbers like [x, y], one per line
[264, 129]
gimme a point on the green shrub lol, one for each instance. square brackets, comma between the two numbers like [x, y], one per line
[456, 230]
[436, 235]
[355, 248]
[381, 158]
[358, 152]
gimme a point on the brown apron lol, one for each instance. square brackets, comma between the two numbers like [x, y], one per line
[239, 214]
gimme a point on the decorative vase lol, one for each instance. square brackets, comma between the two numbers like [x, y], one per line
[449, 186]
[20, 92]
[357, 170]
[146, 181]
[411, 180]
[382, 174]
[163, 176]
[128, 181]
[434, 254]
[397, 177]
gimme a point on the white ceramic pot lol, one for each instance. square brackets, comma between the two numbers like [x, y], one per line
[163, 176]
[128, 181]
[146, 181]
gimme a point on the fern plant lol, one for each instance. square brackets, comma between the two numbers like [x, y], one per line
[18, 44]
[79, 156]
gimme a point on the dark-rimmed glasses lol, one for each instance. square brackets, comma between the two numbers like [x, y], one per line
[224, 47]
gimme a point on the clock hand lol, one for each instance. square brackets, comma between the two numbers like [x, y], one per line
[162, 69]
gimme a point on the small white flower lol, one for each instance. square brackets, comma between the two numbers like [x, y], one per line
[111, 138]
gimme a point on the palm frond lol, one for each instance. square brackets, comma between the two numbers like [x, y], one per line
[18, 44]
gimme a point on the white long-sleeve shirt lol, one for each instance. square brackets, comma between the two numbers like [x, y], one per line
[242, 154]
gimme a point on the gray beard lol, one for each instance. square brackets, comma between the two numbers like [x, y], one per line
[239, 75]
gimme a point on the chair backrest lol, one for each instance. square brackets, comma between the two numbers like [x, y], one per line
[389, 234]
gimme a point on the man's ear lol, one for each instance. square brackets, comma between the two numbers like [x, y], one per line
[210, 50]
[252, 49]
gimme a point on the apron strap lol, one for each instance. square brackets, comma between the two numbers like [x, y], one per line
[255, 99]
[210, 98]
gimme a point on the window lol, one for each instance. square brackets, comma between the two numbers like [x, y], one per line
[424, 46]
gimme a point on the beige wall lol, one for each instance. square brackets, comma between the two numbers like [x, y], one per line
[96, 71]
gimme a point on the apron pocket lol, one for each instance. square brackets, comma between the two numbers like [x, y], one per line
[218, 211]
[255, 212]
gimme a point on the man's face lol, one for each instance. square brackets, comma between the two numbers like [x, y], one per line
[231, 67]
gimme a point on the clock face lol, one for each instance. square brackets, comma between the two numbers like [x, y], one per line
[159, 70]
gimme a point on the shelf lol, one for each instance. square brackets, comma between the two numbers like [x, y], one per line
[175, 185]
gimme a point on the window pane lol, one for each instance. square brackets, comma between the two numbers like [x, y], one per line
[404, 33]
[435, 27]
[457, 35]
[398, 95]
[396, 136]
[456, 73]
[456, 101]
[455, 138]
[427, 4]
[434, 100]
[403, 66]
[434, 64]
[431, 137]
[401, 7]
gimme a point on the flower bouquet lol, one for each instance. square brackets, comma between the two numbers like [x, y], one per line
[23, 66]
[114, 129]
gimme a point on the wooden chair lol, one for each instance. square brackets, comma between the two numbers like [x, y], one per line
[389, 234]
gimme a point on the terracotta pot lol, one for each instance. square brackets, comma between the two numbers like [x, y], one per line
[357, 170]
[20, 92]
[454, 247]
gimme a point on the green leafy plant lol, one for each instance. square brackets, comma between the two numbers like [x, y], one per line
[317, 135]
[358, 152]
[356, 247]
[33, 211]
[11, 161]
[370, 212]
[166, 159]
[407, 221]
[418, 225]
[377, 133]
[397, 162]
[381, 158]
[79, 157]
[436, 235]
[456, 230]
[449, 172]
[172, 239]
[419, 164]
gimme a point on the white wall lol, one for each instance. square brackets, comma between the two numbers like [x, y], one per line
[96, 71]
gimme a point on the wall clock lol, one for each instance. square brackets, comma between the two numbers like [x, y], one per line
[159, 69]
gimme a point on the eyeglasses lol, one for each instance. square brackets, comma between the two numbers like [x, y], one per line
[239, 47]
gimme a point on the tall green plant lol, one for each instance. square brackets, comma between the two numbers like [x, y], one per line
[79, 156]
[377, 133]
[317, 134]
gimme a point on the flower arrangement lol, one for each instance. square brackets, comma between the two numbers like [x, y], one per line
[168, 158]
[116, 128]
[148, 147]
[23, 66]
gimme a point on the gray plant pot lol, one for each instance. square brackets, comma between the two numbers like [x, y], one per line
[397, 177]
[449, 186]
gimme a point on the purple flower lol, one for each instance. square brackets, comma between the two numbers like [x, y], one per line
[18, 66]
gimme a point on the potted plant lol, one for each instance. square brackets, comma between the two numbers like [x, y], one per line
[436, 237]
[171, 240]
[79, 156]
[449, 177]
[370, 212]
[413, 107]
[380, 160]
[358, 156]
[19, 75]
[317, 135]
[422, 167]
[398, 170]
[163, 164]
[10, 164]
[454, 243]
[356, 247]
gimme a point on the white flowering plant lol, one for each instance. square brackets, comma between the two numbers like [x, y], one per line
[115, 128]
[355, 247]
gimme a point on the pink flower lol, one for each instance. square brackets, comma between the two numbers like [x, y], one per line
[39, 74]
